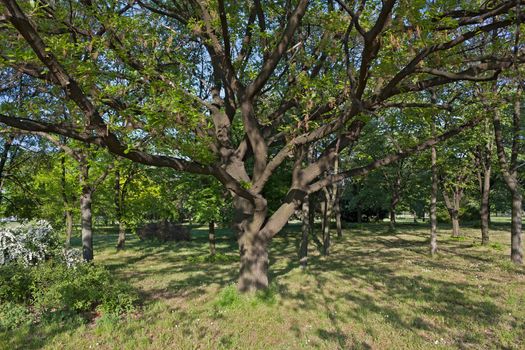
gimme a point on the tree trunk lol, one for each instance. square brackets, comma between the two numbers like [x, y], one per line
[516, 254]
[454, 216]
[453, 209]
[3, 160]
[119, 199]
[69, 226]
[254, 262]
[337, 210]
[394, 200]
[336, 194]
[485, 207]
[303, 250]
[68, 215]
[392, 217]
[86, 224]
[508, 168]
[211, 237]
[433, 203]
[326, 222]
[121, 242]
[253, 245]
[86, 218]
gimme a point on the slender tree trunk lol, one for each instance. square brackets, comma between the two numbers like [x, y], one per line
[454, 216]
[68, 215]
[303, 250]
[516, 254]
[392, 217]
[337, 212]
[3, 160]
[69, 226]
[453, 210]
[86, 218]
[121, 242]
[393, 204]
[86, 223]
[510, 175]
[336, 201]
[326, 226]
[211, 237]
[394, 200]
[433, 204]
[311, 220]
[484, 206]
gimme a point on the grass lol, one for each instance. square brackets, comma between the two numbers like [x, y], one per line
[377, 290]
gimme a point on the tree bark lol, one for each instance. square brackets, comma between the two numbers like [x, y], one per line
[394, 200]
[86, 218]
[3, 160]
[485, 206]
[433, 203]
[303, 250]
[211, 237]
[337, 213]
[68, 215]
[254, 262]
[253, 245]
[510, 175]
[86, 223]
[69, 226]
[121, 241]
[453, 210]
[455, 223]
[119, 199]
[326, 222]
[516, 253]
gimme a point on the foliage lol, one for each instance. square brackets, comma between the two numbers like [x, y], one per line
[30, 242]
[51, 288]
[38, 280]
[56, 287]
[13, 315]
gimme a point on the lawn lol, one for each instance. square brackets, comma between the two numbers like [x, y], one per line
[377, 290]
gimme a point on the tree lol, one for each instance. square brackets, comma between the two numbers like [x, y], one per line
[509, 169]
[85, 158]
[205, 201]
[230, 90]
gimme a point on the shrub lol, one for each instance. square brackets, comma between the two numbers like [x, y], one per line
[14, 315]
[30, 242]
[15, 283]
[51, 290]
[58, 288]
[39, 280]
[71, 257]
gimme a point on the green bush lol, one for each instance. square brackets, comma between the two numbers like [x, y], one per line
[58, 288]
[14, 315]
[15, 283]
[51, 289]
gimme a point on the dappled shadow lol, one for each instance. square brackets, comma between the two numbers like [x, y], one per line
[373, 276]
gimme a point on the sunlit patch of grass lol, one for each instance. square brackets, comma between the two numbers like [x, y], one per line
[377, 290]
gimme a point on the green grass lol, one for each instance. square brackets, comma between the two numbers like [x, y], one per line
[377, 290]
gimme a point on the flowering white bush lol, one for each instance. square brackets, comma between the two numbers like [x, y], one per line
[72, 257]
[29, 242]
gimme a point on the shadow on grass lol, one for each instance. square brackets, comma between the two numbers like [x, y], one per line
[358, 283]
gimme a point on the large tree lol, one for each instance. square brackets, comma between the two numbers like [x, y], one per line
[236, 89]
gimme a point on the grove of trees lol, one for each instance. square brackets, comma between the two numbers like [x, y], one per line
[257, 112]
